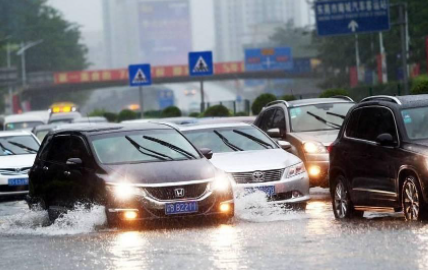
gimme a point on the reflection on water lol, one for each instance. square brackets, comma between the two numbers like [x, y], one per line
[226, 249]
[128, 251]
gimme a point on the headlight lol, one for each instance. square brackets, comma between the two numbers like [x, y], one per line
[296, 169]
[222, 183]
[124, 191]
[314, 148]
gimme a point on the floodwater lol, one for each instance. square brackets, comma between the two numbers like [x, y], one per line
[259, 237]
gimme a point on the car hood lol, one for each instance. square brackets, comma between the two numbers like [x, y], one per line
[17, 161]
[162, 172]
[326, 137]
[248, 161]
[420, 147]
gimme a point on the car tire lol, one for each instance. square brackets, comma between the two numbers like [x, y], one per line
[299, 206]
[342, 204]
[412, 201]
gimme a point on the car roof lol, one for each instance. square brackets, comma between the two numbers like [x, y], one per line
[68, 115]
[92, 129]
[14, 133]
[409, 101]
[23, 118]
[310, 101]
[212, 126]
[232, 119]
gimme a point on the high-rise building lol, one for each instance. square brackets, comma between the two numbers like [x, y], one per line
[147, 31]
[243, 22]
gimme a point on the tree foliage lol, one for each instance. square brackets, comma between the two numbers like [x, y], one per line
[261, 101]
[420, 86]
[288, 97]
[171, 111]
[127, 115]
[334, 92]
[216, 111]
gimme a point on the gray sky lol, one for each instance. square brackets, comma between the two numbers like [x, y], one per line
[88, 14]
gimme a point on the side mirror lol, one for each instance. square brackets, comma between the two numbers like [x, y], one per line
[74, 163]
[284, 145]
[385, 139]
[208, 153]
[274, 133]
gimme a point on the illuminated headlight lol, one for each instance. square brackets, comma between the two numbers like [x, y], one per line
[221, 184]
[124, 191]
[296, 169]
[314, 148]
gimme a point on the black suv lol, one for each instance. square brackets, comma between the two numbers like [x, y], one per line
[310, 126]
[380, 160]
[138, 173]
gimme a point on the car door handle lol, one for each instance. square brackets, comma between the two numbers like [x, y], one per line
[67, 173]
[45, 168]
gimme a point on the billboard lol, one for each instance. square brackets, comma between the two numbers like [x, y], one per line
[165, 31]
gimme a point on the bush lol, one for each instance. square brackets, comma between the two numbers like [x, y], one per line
[111, 117]
[171, 111]
[127, 115]
[241, 114]
[334, 92]
[420, 85]
[152, 114]
[216, 111]
[288, 97]
[195, 114]
[261, 101]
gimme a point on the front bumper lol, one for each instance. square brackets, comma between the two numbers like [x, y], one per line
[285, 189]
[6, 190]
[148, 207]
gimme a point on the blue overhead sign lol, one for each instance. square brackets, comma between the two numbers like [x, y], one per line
[201, 64]
[268, 59]
[351, 17]
[140, 75]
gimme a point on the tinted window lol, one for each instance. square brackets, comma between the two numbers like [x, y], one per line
[415, 120]
[279, 121]
[60, 149]
[79, 149]
[352, 127]
[267, 119]
[372, 122]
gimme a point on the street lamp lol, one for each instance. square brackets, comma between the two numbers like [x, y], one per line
[21, 52]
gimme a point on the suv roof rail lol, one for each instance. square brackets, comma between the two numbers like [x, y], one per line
[278, 102]
[343, 97]
[385, 98]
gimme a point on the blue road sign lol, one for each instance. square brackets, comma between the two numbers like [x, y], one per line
[268, 59]
[351, 17]
[201, 64]
[140, 75]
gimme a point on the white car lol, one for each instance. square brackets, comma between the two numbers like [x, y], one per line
[255, 161]
[17, 154]
[25, 121]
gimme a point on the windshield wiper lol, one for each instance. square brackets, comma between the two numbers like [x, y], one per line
[226, 142]
[330, 124]
[254, 139]
[142, 150]
[171, 146]
[337, 115]
[6, 149]
[28, 149]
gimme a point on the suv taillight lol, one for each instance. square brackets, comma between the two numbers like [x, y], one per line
[330, 148]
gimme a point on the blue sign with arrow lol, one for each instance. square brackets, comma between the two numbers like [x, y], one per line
[201, 63]
[260, 59]
[351, 17]
[140, 75]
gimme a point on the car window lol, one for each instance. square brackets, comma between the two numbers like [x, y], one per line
[279, 121]
[267, 119]
[44, 150]
[22, 125]
[79, 149]
[372, 122]
[352, 127]
[415, 122]
[60, 149]
[238, 136]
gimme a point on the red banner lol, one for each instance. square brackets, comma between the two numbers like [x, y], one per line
[426, 49]
[353, 76]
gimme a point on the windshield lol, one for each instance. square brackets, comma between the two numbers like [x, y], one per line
[415, 120]
[237, 139]
[41, 134]
[22, 125]
[18, 145]
[142, 146]
[326, 116]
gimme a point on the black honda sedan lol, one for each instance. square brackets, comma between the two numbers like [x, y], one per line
[379, 161]
[139, 173]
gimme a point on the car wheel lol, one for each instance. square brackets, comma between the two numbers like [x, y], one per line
[411, 199]
[299, 206]
[342, 204]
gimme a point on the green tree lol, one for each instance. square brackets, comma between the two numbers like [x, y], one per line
[111, 117]
[216, 111]
[127, 115]
[288, 97]
[171, 111]
[194, 114]
[334, 92]
[420, 85]
[261, 101]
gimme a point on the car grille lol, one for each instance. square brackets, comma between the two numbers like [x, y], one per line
[14, 171]
[168, 193]
[5, 188]
[248, 177]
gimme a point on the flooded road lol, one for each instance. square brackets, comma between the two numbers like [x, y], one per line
[260, 237]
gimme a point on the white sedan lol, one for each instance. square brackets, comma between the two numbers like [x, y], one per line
[256, 162]
[18, 151]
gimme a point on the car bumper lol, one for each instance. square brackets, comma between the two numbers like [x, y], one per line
[7, 190]
[318, 172]
[148, 207]
[287, 191]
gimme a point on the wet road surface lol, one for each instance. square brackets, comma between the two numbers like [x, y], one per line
[260, 237]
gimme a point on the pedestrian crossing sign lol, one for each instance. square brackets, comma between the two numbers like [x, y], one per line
[140, 75]
[201, 63]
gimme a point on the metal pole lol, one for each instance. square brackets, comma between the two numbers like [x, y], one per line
[8, 54]
[23, 68]
[403, 24]
[383, 59]
[202, 97]
[10, 90]
[140, 88]
[357, 58]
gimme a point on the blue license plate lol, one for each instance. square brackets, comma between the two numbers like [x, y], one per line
[181, 208]
[268, 190]
[18, 182]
